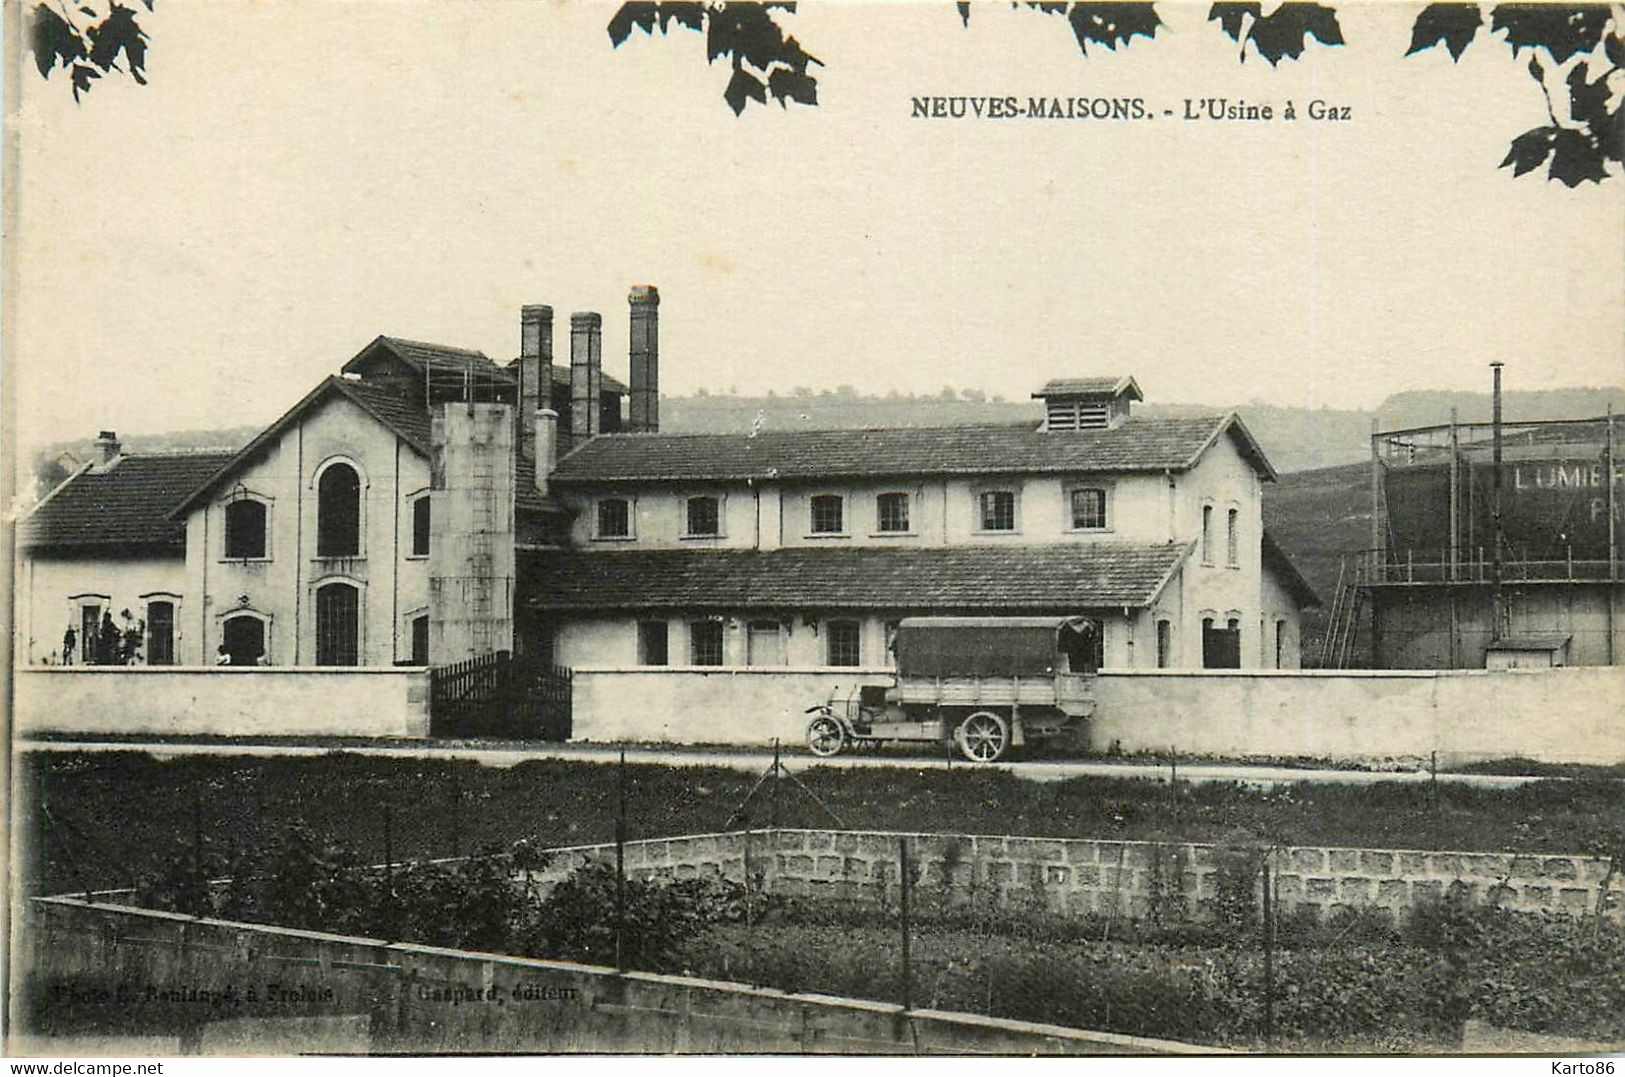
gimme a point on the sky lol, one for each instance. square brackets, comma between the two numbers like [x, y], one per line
[300, 176]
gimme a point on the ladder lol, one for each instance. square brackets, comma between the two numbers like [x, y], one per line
[1343, 622]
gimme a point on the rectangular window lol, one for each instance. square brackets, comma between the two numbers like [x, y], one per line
[1207, 534]
[845, 647]
[652, 638]
[1165, 644]
[614, 518]
[420, 527]
[764, 644]
[702, 516]
[998, 510]
[245, 529]
[827, 515]
[705, 643]
[892, 512]
[1088, 509]
[1280, 643]
[90, 627]
[1232, 540]
[420, 639]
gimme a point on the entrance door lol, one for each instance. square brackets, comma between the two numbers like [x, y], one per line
[338, 609]
[1221, 647]
[160, 633]
[244, 638]
[764, 644]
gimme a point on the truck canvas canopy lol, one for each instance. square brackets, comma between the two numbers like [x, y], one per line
[993, 646]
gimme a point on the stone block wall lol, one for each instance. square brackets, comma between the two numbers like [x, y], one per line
[1131, 879]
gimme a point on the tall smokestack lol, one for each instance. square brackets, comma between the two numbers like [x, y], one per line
[535, 371]
[645, 354]
[586, 375]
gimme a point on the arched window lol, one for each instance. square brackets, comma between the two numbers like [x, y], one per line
[245, 529]
[338, 624]
[338, 512]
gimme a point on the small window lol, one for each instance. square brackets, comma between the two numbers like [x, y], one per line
[1233, 540]
[1165, 644]
[245, 529]
[420, 527]
[1280, 644]
[998, 510]
[827, 515]
[420, 639]
[845, 643]
[892, 510]
[703, 517]
[652, 639]
[614, 518]
[1207, 534]
[705, 643]
[1088, 509]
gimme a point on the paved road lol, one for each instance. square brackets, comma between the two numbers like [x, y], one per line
[749, 759]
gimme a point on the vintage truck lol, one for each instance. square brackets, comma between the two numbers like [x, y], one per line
[983, 684]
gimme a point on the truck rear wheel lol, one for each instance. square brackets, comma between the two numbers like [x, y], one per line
[983, 737]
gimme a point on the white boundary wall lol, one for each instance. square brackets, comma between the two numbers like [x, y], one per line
[222, 701]
[1568, 715]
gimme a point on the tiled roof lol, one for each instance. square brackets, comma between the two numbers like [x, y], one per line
[1064, 578]
[125, 507]
[439, 358]
[561, 377]
[401, 413]
[1136, 445]
[1109, 385]
[1276, 558]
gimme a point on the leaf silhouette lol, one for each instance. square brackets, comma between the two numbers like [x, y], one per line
[1530, 150]
[1561, 29]
[1575, 158]
[1283, 33]
[764, 58]
[742, 87]
[53, 41]
[1111, 24]
[1452, 23]
[82, 75]
[119, 33]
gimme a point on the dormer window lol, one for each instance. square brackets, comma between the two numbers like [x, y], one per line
[1087, 403]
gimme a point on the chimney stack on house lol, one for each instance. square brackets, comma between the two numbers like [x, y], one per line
[644, 409]
[107, 444]
[586, 376]
[535, 373]
[544, 431]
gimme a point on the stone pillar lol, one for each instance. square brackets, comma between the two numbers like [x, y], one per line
[471, 521]
[644, 408]
[586, 375]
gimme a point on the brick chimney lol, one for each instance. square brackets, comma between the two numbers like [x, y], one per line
[535, 371]
[586, 375]
[644, 409]
[107, 444]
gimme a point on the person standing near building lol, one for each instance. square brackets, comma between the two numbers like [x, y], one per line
[70, 643]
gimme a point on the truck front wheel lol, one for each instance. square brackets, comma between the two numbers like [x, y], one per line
[983, 737]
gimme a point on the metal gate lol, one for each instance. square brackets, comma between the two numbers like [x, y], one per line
[500, 695]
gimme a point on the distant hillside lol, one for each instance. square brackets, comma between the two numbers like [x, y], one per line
[1320, 517]
[1426, 408]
